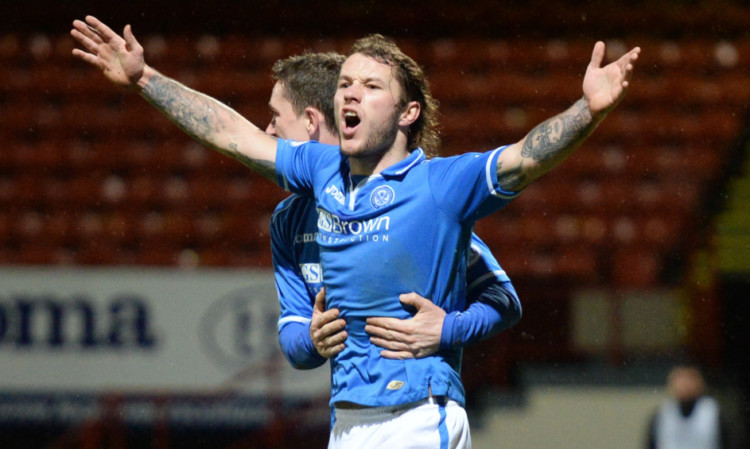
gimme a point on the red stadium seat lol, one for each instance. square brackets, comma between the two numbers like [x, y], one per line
[156, 254]
[636, 268]
[578, 263]
[98, 252]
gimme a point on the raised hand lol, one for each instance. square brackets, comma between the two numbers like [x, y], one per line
[121, 59]
[418, 336]
[604, 87]
[326, 328]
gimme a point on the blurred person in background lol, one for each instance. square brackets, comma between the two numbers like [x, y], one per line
[689, 418]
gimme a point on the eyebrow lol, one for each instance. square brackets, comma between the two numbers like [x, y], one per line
[364, 81]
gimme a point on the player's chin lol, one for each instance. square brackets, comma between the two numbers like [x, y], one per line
[350, 148]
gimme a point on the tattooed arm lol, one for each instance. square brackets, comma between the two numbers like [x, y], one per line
[205, 119]
[550, 142]
[211, 122]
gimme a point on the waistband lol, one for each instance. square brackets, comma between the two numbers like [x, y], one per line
[357, 409]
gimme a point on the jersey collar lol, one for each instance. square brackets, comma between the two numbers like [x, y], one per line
[402, 167]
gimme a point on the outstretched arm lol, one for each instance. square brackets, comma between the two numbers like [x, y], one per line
[553, 140]
[206, 119]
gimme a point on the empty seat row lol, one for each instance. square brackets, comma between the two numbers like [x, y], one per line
[471, 52]
[133, 228]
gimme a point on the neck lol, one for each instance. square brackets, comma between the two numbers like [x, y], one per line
[328, 138]
[375, 162]
[368, 167]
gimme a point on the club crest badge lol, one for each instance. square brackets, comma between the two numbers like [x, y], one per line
[382, 196]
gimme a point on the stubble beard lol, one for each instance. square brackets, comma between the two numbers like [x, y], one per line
[378, 142]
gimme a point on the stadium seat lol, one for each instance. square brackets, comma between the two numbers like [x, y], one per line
[578, 263]
[101, 253]
[636, 267]
[157, 254]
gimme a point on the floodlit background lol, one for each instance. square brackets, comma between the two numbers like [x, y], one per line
[137, 306]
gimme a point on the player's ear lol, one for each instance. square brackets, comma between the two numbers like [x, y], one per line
[313, 122]
[410, 114]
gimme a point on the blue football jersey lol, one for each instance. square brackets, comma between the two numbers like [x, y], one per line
[296, 258]
[405, 229]
[482, 268]
[297, 272]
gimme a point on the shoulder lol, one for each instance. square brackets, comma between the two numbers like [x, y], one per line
[308, 146]
[285, 204]
[292, 206]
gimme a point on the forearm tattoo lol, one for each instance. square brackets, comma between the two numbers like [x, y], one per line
[549, 143]
[559, 134]
[201, 117]
[267, 169]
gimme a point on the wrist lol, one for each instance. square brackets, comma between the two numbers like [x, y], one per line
[148, 73]
[448, 334]
[595, 116]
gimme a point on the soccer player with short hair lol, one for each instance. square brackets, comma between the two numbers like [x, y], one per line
[389, 220]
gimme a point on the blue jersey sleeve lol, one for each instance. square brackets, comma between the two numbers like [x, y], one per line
[298, 347]
[482, 269]
[295, 302]
[493, 302]
[300, 164]
[466, 186]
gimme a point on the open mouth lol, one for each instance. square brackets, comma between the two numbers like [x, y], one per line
[351, 120]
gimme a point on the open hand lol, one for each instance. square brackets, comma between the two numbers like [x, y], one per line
[121, 59]
[604, 87]
[418, 336]
[326, 328]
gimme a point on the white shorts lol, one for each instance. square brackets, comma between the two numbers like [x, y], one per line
[425, 424]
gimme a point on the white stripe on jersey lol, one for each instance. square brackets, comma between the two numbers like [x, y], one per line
[293, 319]
[488, 176]
[480, 279]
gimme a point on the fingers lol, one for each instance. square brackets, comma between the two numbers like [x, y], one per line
[331, 341]
[104, 31]
[390, 344]
[597, 56]
[130, 39]
[320, 300]
[90, 39]
[626, 63]
[388, 328]
[398, 355]
[87, 42]
[413, 299]
[326, 325]
[87, 31]
[328, 338]
[384, 333]
[332, 351]
[87, 57]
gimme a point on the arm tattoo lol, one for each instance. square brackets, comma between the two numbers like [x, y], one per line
[511, 180]
[201, 117]
[559, 135]
[267, 169]
[548, 144]
[188, 109]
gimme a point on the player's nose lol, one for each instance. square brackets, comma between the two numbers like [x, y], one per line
[353, 92]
